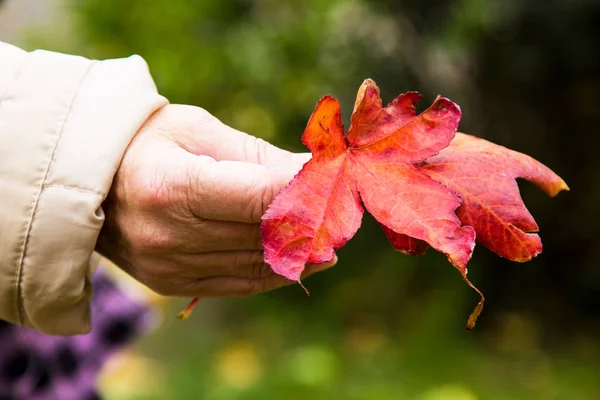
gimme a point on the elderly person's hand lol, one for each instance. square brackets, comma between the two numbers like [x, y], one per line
[183, 216]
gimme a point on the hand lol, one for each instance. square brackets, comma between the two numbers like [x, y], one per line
[183, 214]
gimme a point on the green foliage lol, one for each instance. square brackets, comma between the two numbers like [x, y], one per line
[258, 65]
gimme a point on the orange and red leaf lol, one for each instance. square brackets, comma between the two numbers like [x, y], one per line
[423, 182]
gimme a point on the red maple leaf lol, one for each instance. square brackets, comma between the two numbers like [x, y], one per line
[426, 186]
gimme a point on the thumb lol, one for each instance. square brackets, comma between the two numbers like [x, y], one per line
[207, 135]
[282, 174]
[234, 190]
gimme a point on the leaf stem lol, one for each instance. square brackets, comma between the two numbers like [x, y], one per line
[185, 313]
[475, 314]
[302, 286]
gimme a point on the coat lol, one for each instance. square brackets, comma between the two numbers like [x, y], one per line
[65, 123]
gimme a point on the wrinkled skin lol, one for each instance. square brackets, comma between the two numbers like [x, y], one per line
[183, 215]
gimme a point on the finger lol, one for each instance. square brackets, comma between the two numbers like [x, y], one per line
[207, 135]
[210, 236]
[236, 264]
[233, 190]
[243, 287]
[314, 268]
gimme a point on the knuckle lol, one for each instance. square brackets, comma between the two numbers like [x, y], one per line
[251, 151]
[268, 193]
[259, 270]
[204, 117]
[249, 263]
[151, 239]
[196, 185]
[261, 150]
[155, 192]
[259, 203]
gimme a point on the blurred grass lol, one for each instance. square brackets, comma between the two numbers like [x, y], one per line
[267, 348]
[379, 325]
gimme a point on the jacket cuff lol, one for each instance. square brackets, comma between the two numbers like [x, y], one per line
[70, 120]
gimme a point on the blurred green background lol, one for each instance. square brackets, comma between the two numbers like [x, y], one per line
[380, 325]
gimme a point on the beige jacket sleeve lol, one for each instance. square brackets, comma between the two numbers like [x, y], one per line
[65, 123]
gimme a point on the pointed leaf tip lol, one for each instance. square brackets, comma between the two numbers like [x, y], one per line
[367, 83]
